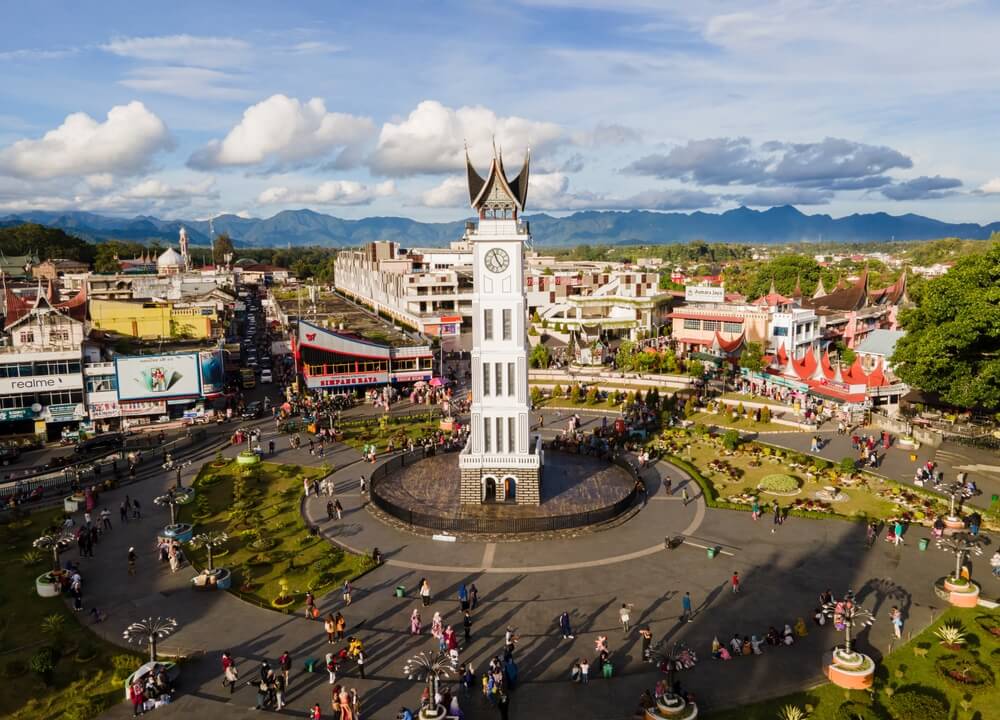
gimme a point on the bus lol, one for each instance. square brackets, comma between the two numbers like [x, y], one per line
[247, 378]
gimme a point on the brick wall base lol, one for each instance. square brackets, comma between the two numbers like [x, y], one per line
[528, 488]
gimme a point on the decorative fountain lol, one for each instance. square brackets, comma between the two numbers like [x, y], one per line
[953, 521]
[672, 706]
[430, 668]
[181, 532]
[49, 584]
[849, 668]
[211, 577]
[958, 590]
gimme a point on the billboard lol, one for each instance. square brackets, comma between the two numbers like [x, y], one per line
[158, 377]
[213, 374]
[704, 293]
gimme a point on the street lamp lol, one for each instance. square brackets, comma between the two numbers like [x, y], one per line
[149, 631]
[46, 542]
[960, 545]
[209, 540]
[169, 501]
[848, 613]
[430, 668]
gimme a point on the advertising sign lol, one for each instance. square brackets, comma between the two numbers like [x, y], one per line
[154, 407]
[344, 380]
[17, 414]
[65, 412]
[704, 293]
[213, 375]
[12, 386]
[103, 410]
[158, 376]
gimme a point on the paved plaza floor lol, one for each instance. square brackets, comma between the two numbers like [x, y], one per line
[526, 585]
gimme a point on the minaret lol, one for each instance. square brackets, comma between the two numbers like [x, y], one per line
[500, 462]
[184, 249]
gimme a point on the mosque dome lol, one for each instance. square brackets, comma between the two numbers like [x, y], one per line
[170, 258]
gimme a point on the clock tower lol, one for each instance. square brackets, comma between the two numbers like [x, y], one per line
[501, 462]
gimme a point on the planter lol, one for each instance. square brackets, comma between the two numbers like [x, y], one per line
[965, 595]
[435, 713]
[672, 707]
[184, 495]
[181, 532]
[852, 671]
[247, 458]
[48, 586]
[282, 603]
[908, 443]
[217, 579]
[72, 503]
[953, 523]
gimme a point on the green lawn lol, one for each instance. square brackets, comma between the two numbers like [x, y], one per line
[743, 397]
[399, 430]
[269, 541]
[744, 424]
[76, 688]
[908, 668]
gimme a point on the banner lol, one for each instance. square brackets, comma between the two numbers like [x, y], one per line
[154, 407]
[103, 410]
[158, 376]
[213, 374]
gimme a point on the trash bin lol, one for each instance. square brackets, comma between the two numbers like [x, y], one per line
[608, 670]
[400, 591]
[711, 553]
[311, 664]
[922, 544]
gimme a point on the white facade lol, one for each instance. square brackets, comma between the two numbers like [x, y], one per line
[500, 410]
[796, 329]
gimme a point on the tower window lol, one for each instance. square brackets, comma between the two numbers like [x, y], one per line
[510, 434]
[486, 378]
[487, 324]
[499, 434]
[498, 373]
[506, 324]
[510, 378]
[487, 445]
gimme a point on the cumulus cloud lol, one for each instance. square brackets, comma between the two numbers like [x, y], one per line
[771, 197]
[100, 193]
[332, 192]
[431, 139]
[609, 134]
[203, 51]
[283, 131]
[922, 188]
[831, 164]
[189, 82]
[123, 144]
[990, 187]
[551, 191]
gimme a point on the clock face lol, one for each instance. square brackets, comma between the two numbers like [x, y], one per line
[497, 260]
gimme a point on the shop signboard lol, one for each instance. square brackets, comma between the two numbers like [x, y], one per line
[103, 410]
[330, 381]
[15, 385]
[143, 407]
[156, 377]
[704, 293]
[213, 374]
[16, 414]
[65, 412]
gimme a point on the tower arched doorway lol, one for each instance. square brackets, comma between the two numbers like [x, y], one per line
[510, 489]
[489, 489]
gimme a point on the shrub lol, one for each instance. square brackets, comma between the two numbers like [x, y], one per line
[847, 465]
[574, 393]
[557, 391]
[779, 483]
[689, 407]
[592, 395]
[42, 663]
[31, 557]
[54, 625]
[917, 705]
[82, 709]
[951, 634]
[320, 579]
[964, 671]
[742, 411]
[87, 651]
[857, 711]
[124, 665]
[731, 439]
[536, 395]
[765, 414]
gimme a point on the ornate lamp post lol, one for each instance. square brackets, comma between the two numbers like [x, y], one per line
[50, 542]
[430, 668]
[673, 706]
[957, 590]
[177, 531]
[208, 540]
[149, 631]
[849, 668]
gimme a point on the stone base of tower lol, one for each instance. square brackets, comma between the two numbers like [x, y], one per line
[481, 485]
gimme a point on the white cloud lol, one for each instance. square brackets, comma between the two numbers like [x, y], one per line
[123, 145]
[314, 47]
[991, 186]
[204, 51]
[190, 82]
[453, 192]
[156, 189]
[283, 131]
[331, 192]
[431, 139]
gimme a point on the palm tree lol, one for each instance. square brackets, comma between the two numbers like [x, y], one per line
[149, 631]
[208, 540]
[430, 668]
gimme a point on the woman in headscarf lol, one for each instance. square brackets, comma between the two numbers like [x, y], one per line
[415, 625]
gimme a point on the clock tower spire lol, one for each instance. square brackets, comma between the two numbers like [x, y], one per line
[501, 462]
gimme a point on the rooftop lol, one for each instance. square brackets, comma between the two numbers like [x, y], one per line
[336, 313]
[880, 342]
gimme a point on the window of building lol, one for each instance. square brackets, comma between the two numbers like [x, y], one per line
[780, 331]
[487, 324]
[711, 325]
[102, 383]
[59, 336]
[690, 324]
[732, 327]
[486, 379]
[499, 422]
[510, 434]
[506, 324]
[487, 444]
[510, 378]
[498, 376]
[16, 401]
[26, 336]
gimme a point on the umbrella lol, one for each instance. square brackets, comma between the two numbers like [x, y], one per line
[436, 382]
[286, 407]
[420, 384]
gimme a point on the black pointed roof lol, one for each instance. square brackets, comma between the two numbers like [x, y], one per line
[517, 188]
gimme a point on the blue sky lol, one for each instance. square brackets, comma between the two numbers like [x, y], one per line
[194, 109]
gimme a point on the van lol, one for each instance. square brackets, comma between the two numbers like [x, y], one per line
[265, 375]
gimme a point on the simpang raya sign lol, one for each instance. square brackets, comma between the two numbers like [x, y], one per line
[158, 376]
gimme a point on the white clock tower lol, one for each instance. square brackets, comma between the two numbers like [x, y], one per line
[501, 463]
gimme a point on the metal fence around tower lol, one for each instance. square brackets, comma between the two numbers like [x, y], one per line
[454, 524]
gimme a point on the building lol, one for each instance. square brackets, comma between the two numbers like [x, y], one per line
[154, 320]
[55, 268]
[258, 274]
[850, 312]
[499, 463]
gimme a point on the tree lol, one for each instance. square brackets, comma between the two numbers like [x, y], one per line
[696, 368]
[846, 355]
[574, 393]
[952, 341]
[592, 395]
[539, 357]
[536, 395]
[752, 357]
[221, 245]
[625, 357]
[557, 391]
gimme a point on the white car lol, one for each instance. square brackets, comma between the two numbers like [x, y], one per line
[265, 376]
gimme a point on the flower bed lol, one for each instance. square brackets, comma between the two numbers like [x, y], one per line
[779, 484]
[964, 671]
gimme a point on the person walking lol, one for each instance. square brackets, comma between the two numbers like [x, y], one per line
[132, 557]
[686, 607]
[341, 624]
[361, 663]
[777, 515]
[136, 509]
[231, 676]
[734, 581]
[684, 495]
[338, 508]
[624, 615]
[330, 510]
[473, 595]
[898, 531]
[105, 519]
[896, 616]
[279, 692]
[584, 671]
[285, 663]
[467, 624]
[646, 634]
[123, 511]
[425, 592]
[463, 597]
[564, 626]
[330, 626]
[346, 592]
[310, 605]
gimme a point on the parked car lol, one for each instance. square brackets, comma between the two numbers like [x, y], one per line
[108, 441]
[265, 376]
[252, 411]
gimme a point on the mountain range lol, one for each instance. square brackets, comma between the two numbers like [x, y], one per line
[782, 224]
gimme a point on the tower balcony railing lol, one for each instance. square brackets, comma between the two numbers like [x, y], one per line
[504, 226]
[467, 459]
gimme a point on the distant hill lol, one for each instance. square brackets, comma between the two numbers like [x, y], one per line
[307, 227]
